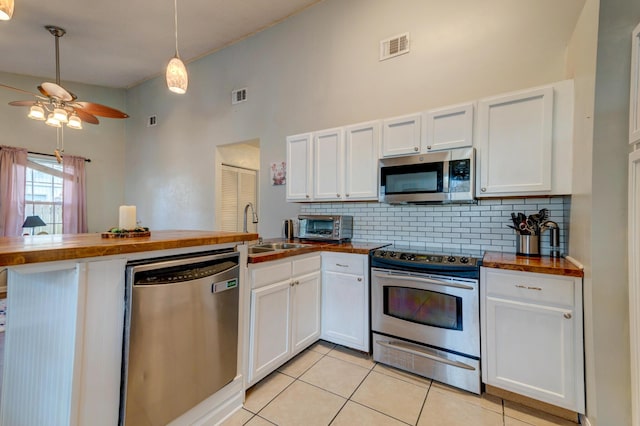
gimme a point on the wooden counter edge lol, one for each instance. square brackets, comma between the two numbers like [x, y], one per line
[541, 264]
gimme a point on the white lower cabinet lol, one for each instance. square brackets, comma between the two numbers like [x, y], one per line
[532, 338]
[285, 311]
[345, 300]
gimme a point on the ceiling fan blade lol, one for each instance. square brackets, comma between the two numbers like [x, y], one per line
[53, 90]
[101, 110]
[17, 90]
[22, 103]
[86, 117]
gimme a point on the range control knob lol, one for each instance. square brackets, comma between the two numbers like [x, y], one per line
[464, 260]
[451, 259]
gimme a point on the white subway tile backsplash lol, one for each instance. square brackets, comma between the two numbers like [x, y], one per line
[481, 226]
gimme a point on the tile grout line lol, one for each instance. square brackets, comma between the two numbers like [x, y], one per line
[424, 403]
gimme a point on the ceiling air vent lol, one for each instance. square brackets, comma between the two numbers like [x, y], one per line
[394, 46]
[238, 96]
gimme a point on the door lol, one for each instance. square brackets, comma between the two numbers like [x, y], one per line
[299, 167]
[239, 187]
[328, 165]
[344, 310]
[448, 128]
[306, 298]
[361, 161]
[530, 350]
[515, 143]
[401, 135]
[270, 322]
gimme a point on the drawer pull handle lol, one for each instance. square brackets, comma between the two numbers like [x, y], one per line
[342, 266]
[359, 279]
[528, 288]
[567, 315]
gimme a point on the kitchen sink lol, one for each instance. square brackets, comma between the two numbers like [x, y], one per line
[260, 249]
[281, 246]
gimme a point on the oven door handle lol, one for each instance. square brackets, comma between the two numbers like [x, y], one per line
[424, 353]
[425, 280]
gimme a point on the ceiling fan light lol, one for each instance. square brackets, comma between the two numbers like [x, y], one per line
[36, 112]
[177, 78]
[6, 10]
[52, 121]
[60, 115]
[74, 122]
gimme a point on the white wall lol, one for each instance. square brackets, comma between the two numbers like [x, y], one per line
[320, 69]
[102, 143]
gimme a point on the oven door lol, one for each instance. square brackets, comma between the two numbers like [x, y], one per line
[408, 180]
[434, 310]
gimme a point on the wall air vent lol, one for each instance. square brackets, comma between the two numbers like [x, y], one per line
[152, 120]
[394, 46]
[238, 96]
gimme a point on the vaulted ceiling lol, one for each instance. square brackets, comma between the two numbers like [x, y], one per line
[120, 43]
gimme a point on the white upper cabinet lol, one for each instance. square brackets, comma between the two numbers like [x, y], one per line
[299, 167]
[401, 135]
[447, 128]
[634, 101]
[524, 141]
[361, 161]
[328, 162]
[514, 142]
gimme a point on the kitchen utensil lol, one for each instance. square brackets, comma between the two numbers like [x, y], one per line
[287, 229]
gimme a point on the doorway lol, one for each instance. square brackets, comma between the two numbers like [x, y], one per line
[237, 177]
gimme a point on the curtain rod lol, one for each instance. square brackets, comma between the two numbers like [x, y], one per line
[88, 160]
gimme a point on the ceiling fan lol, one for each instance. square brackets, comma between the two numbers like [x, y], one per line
[56, 105]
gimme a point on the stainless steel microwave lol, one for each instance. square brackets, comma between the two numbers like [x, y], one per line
[325, 228]
[436, 177]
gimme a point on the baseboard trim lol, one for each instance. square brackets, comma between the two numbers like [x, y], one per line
[533, 403]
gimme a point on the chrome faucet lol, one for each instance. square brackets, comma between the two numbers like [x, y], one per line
[253, 214]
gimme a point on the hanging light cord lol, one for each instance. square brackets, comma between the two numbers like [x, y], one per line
[175, 15]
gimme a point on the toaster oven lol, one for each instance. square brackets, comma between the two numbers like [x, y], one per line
[325, 227]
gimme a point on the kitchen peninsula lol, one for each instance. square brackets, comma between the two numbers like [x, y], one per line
[63, 347]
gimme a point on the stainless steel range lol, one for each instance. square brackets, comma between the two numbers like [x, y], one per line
[425, 314]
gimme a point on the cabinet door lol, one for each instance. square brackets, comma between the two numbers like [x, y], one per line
[531, 351]
[328, 162]
[448, 128]
[270, 332]
[299, 167]
[401, 135]
[515, 143]
[345, 312]
[361, 161]
[634, 98]
[305, 327]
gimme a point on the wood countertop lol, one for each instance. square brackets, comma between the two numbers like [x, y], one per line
[48, 248]
[314, 246]
[541, 264]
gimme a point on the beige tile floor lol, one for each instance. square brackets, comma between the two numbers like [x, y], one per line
[333, 385]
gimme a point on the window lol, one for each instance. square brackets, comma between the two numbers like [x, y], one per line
[43, 193]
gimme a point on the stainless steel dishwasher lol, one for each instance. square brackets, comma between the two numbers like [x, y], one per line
[180, 336]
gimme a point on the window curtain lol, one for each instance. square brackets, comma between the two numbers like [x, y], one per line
[13, 165]
[74, 203]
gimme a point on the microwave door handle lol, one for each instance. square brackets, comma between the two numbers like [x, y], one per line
[445, 177]
[425, 280]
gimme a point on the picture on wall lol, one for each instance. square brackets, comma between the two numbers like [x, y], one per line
[279, 173]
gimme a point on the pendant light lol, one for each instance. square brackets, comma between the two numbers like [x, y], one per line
[177, 78]
[6, 10]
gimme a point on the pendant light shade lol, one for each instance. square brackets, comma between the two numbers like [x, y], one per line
[6, 10]
[52, 120]
[74, 122]
[177, 78]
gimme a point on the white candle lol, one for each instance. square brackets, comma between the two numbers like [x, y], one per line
[127, 218]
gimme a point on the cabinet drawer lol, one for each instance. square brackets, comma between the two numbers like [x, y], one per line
[344, 262]
[528, 286]
[270, 273]
[306, 265]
